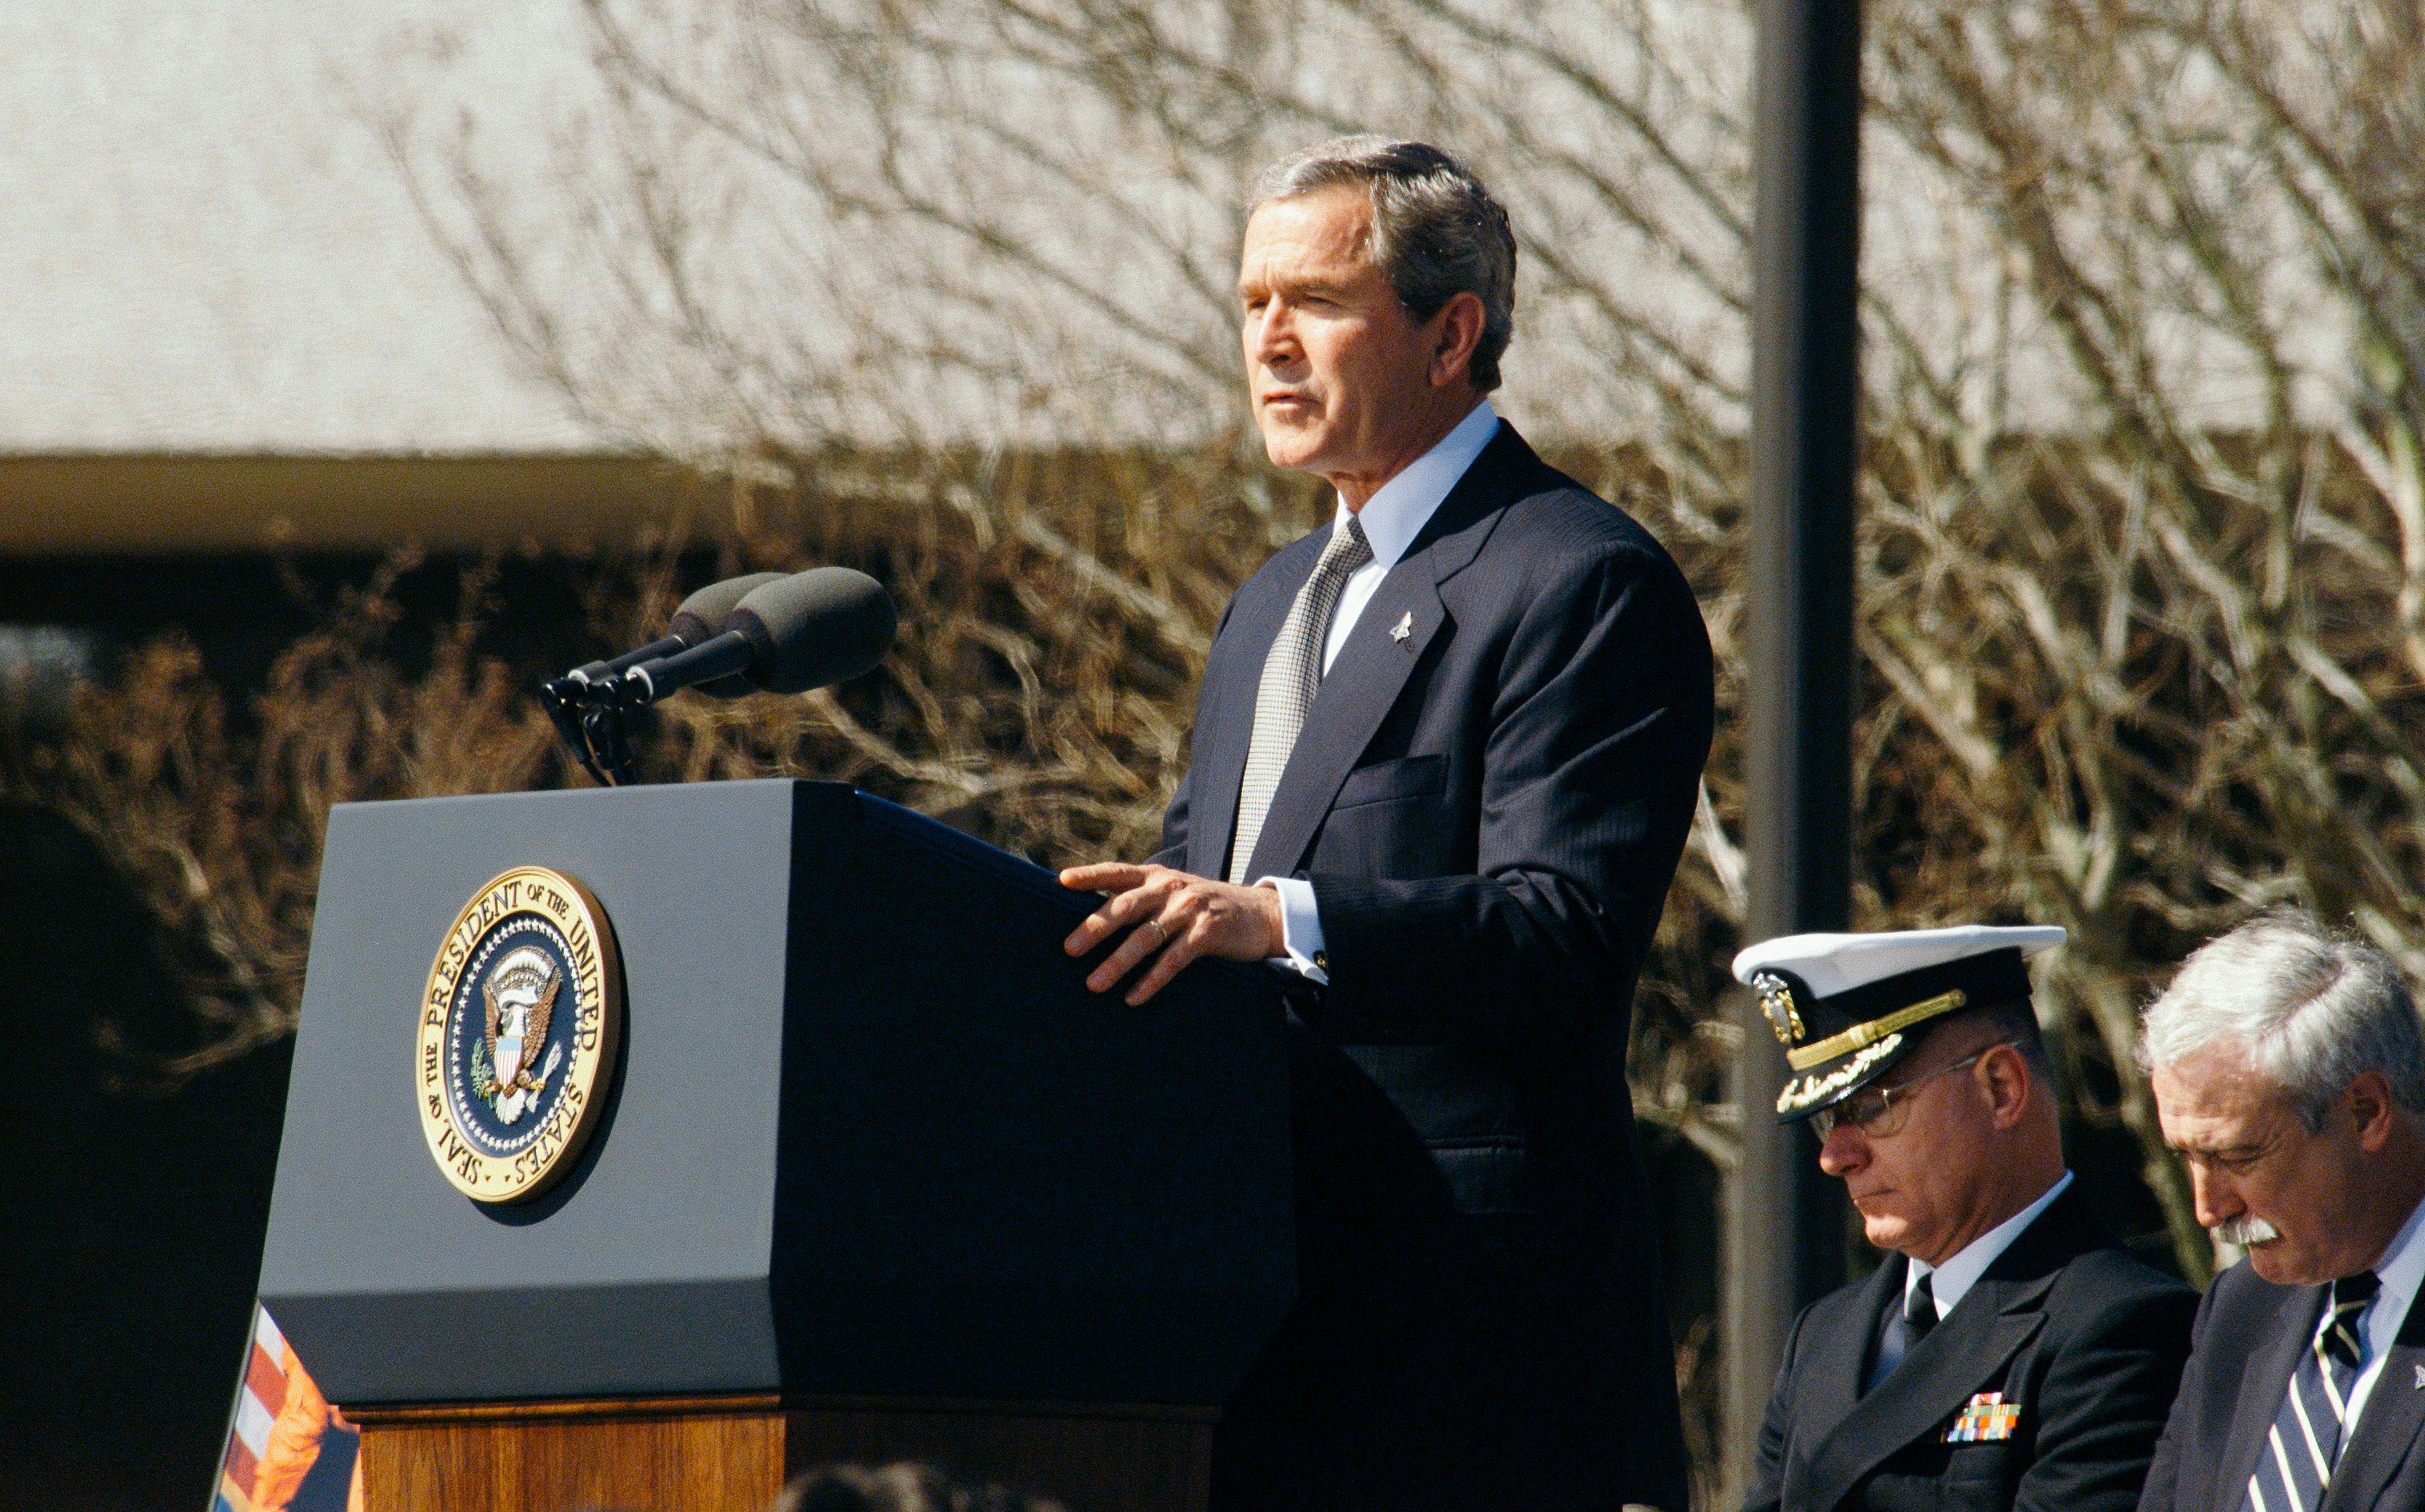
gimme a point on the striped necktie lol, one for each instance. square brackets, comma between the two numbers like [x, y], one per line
[2306, 1440]
[1291, 672]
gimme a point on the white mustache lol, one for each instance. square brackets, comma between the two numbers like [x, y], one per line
[2246, 1229]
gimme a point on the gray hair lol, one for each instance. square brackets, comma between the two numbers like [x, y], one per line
[2310, 1010]
[1437, 232]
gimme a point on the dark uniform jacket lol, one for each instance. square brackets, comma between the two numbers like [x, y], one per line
[1488, 795]
[2249, 1335]
[2086, 1340]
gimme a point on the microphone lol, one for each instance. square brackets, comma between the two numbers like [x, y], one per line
[580, 703]
[701, 617]
[704, 616]
[808, 631]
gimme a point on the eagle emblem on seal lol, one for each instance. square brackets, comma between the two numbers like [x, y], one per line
[520, 1025]
[521, 994]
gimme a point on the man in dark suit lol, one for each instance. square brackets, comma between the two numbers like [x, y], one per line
[1445, 757]
[2007, 1354]
[2289, 1069]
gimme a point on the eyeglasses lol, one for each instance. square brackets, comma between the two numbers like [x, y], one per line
[1880, 1112]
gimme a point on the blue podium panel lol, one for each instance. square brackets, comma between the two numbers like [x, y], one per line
[869, 1132]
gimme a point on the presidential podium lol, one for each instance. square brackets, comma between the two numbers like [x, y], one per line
[863, 1171]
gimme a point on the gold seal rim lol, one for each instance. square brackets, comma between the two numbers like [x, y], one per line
[497, 1180]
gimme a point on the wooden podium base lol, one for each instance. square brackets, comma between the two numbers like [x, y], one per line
[733, 1454]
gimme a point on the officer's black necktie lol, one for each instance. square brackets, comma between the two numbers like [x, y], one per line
[1918, 1314]
[2305, 1441]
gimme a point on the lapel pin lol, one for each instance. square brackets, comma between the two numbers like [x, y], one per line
[2420, 1377]
[1405, 628]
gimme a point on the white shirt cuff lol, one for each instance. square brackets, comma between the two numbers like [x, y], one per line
[1300, 928]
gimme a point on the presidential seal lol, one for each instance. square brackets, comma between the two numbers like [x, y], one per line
[519, 1028]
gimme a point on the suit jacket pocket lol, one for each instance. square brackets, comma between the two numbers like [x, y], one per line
[1992, 1460]
[1416, 776]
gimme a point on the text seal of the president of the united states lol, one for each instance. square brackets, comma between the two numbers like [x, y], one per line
[520, 1025]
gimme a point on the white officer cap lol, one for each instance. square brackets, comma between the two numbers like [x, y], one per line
[1842, 1004]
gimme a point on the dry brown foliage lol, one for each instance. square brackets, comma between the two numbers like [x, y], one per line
[2074, 714]
[215, 815]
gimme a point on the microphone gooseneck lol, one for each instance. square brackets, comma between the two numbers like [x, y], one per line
[765, 630]
[700, 616]
[808, 631]
[704, 616]
[582, 702]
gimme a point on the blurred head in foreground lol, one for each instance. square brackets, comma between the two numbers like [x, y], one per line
[898, 1488]
[1377, 291]
[2289, 1068]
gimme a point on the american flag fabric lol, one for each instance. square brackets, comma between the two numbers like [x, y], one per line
[288, 1449]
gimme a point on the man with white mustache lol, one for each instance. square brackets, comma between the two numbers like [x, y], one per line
[2289, 1069]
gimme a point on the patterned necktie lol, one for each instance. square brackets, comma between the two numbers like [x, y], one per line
[2305, 1441]
[1290, 674]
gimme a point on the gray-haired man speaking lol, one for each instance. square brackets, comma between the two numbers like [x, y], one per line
[1443, 763]
[2289, 1075]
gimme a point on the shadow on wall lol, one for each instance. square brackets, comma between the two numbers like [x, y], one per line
[131, 1225]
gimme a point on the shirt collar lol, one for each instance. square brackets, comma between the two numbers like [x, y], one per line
[1953, 1280]
[2402, 1270]
[1400, 508]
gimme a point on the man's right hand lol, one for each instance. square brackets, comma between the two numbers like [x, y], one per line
[1173, 918]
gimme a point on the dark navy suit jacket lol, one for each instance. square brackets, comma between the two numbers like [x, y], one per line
[2085, 1340]
[2249, 1336]
[1489, 806]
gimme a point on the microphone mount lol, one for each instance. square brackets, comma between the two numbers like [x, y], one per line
[590, 706]
[766, 631]
[593, 717]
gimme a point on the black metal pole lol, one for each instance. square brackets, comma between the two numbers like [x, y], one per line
[1786, 1218]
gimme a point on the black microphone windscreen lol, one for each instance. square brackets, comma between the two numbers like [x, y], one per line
[705, 612]
[815, 629]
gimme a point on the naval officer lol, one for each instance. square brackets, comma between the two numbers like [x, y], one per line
[2007, 1353]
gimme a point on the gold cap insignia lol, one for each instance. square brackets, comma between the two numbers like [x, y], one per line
[1802, 1092]
[1776, 1001]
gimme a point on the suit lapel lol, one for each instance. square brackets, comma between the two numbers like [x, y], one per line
[2390, 1427]
[1958, 1358]
[1841, 1361]
[2262, 1383]
[1374, 663]
[1226, 720]
[1356, 695]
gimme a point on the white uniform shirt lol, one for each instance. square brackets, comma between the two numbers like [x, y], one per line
[1952, 1282]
